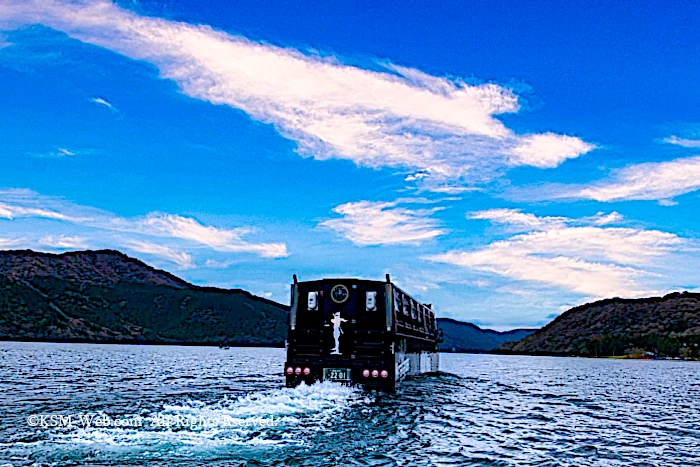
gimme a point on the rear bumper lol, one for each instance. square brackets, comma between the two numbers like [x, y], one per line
[356, 376]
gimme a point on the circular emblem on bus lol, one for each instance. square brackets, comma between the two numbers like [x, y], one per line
[339, 293]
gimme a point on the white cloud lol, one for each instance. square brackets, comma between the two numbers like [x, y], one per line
[684, 142]
[13, 211]
[56, 154]
[8, 243]
[19, 202]
[515, 218]
[586, 259]
[605, 219]
[654, 181]
[667, 202]
[180, 258]
[417, 176]
[648, 181]
[64, 241]
[398, 117]
[25, 203]
[102, 102]
[227, 240]
[527, 222]
[452, 189]
[549, 150]
[383, 223]
[214, 264]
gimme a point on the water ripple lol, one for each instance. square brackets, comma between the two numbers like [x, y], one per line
[480, 411]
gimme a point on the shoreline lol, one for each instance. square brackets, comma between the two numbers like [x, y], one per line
[143, 343]
[281, 346]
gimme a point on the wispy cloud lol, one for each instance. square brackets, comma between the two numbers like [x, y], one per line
[648, 181]
[214, 264]
[656, 181]
[18, 203]
[521, 221]
[684, 142]
[391, 116]
[103, 103]
[517, 219]
[8, 243]
[64, 241]
[180, 258]
[384, 223]
[577, 255]
[56, 153]
[225, 240]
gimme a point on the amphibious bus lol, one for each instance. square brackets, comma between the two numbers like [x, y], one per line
[359, 332]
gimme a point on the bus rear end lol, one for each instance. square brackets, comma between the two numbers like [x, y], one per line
[341, 330]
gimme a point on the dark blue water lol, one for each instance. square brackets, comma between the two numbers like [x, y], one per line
[186, 406]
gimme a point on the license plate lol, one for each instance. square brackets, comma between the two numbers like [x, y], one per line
[336, 374]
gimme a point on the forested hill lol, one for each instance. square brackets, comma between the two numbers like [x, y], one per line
[665, 326]
[467, 337]
[106, 296]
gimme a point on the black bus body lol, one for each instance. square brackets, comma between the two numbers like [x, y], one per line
[359, 332]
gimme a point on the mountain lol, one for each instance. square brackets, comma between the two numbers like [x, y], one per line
[467, 337]
[665, 326]
[106, 296]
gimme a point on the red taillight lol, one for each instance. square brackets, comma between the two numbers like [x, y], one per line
[375, 373]
[307, 371]
[365, 373]
[297, 370]
[290, 370]
[385, 374]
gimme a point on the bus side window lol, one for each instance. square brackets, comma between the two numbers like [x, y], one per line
[405, 301]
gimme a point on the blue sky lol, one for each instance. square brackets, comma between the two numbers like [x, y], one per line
[502, 160]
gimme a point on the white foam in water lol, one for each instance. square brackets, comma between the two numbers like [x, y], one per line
[255, 419]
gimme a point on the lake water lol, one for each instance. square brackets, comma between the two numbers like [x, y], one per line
[190, 406]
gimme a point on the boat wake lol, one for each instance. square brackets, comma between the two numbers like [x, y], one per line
[283, 417]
